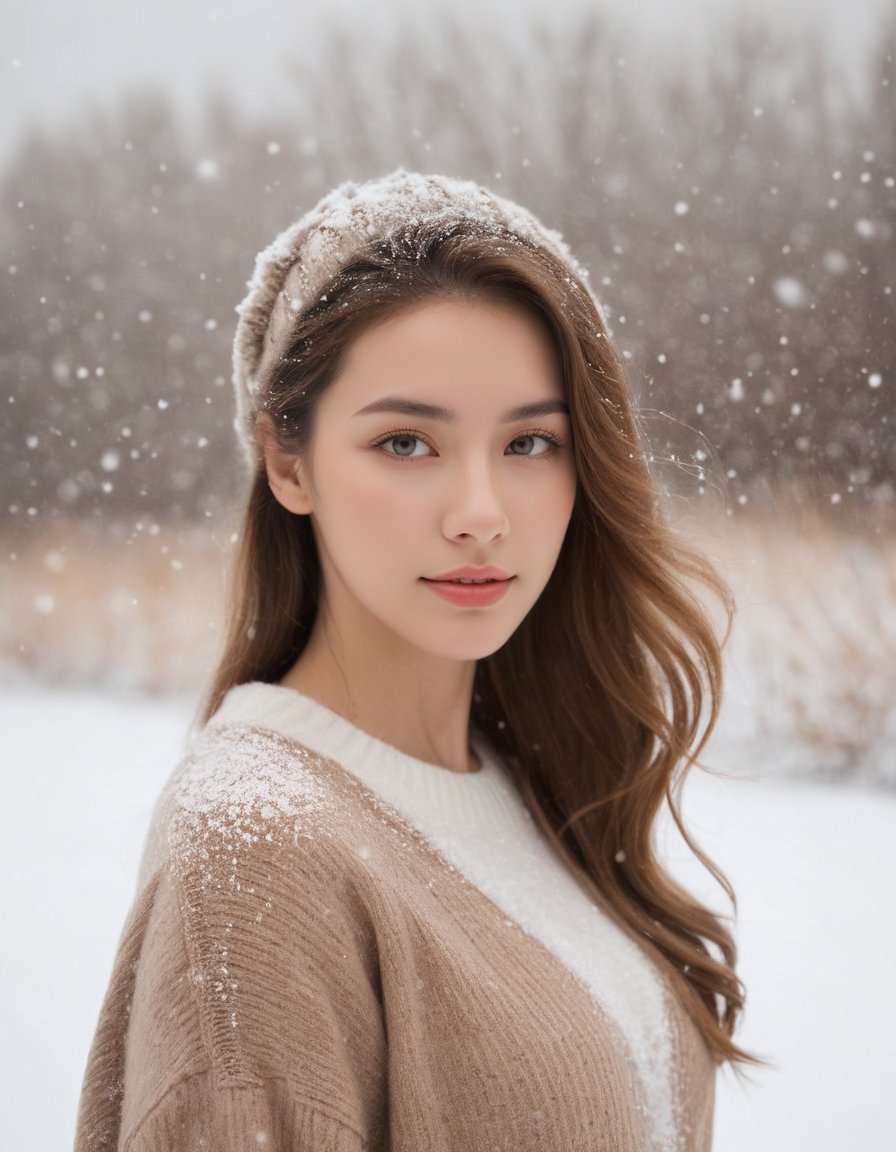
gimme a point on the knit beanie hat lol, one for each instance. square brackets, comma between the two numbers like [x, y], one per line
[292, 272]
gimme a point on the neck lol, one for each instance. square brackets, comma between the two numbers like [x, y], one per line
[420, 707]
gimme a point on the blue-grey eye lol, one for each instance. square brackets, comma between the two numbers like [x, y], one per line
[405, 446]
[529, 444]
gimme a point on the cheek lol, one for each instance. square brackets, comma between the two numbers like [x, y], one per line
[546, 509]
[374, 510]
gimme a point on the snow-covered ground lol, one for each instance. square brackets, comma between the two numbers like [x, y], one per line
[812, 865]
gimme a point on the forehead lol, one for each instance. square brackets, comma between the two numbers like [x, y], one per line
[453, 348]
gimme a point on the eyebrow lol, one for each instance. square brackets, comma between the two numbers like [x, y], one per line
[407, 407]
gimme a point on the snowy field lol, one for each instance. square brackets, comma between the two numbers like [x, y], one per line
[812, 864]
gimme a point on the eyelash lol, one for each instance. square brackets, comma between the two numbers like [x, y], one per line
[555, 442]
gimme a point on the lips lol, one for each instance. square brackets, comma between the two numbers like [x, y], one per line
[470, 587]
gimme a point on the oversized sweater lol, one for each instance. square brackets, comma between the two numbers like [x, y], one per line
[335, 946]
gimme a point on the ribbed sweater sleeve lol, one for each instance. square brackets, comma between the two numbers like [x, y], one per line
[195, 1114]
[243, 1008]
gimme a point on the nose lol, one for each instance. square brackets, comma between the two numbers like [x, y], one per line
[475, 507]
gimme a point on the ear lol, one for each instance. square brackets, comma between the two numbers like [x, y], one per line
[284, 470]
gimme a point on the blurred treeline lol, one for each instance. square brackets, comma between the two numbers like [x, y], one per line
[737, 216]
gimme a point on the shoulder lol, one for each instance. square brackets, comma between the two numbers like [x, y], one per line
[233, 782]
[252, 812]
[243, 782]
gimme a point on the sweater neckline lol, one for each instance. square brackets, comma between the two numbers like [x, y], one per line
[422, 785]
[289, 707]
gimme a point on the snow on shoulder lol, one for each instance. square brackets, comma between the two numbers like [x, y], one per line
[240, 784]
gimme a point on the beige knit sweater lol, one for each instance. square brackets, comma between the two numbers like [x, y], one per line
[335, 946]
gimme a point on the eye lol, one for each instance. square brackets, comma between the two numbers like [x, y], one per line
[403, 439]
[553, 443]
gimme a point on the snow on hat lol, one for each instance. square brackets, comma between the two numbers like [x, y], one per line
[291, 273]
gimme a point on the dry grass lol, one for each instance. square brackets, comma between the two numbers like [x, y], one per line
[142, 611]
[812, 662]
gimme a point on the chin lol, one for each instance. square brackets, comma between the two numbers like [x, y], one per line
[472, 649]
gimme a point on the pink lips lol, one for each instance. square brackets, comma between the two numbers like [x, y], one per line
[471, 595]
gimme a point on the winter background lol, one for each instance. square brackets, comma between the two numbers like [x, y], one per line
[727, 173]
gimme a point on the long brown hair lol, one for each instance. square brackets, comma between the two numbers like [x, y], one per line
[606, 693]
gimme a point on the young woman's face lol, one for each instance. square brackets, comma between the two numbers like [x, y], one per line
[398, 498]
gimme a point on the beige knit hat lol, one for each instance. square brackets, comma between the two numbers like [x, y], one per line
[291, 273]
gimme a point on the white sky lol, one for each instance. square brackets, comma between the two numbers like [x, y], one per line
[54, 52]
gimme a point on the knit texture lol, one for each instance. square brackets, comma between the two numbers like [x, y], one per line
[292, 272]
[309, 964]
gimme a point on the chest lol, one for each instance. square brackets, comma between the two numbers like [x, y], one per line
[494, 1043]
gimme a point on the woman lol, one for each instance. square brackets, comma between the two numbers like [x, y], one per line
[402, 893]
